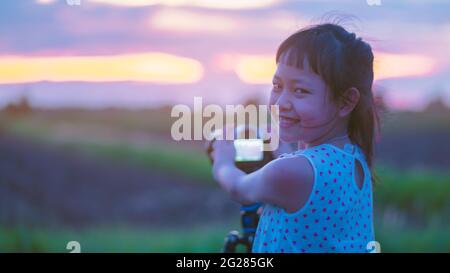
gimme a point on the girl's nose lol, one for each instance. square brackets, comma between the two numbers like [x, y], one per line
[284, 102]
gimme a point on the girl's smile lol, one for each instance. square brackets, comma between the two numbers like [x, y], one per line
[286, 122]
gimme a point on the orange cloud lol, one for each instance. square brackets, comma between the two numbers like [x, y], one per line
[402, 65]
[259, 69]
[215, 4]
[147, 67]
[188, 21]
[255, 69]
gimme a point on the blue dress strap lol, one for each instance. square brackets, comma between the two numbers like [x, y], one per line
[349, 148]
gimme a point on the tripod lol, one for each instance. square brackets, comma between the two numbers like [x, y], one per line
[249, 213]
[249, 221]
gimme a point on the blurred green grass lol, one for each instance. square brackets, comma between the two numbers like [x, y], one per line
[201, 239]
[412, 206]
[410, 216]
[114, 239]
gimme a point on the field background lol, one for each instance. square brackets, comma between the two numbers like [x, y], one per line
[115, 181]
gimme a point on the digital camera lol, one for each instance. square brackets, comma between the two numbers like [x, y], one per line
[250, 155]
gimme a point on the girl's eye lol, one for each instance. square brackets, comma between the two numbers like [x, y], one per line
[301, 91]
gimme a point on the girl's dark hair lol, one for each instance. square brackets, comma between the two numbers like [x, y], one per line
[343, 61]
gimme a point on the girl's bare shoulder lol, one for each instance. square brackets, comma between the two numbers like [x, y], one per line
[296, 170]
[292, 180]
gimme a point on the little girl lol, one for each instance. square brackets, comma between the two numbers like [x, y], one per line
[319, 198]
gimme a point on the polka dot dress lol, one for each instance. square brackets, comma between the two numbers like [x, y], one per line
[338, 216]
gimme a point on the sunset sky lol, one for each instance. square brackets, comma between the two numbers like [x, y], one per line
[141, 53]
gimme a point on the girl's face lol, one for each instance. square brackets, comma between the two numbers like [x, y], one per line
[306, 110]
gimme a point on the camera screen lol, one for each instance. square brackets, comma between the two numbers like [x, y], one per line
[249, 150]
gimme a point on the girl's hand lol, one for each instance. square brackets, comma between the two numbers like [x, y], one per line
[223, 151]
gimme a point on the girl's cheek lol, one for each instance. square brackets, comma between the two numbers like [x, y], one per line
[304, 110]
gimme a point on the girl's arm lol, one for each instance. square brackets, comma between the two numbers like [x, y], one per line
[285, 182]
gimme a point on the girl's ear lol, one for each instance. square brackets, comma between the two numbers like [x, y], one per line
[348, 101]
